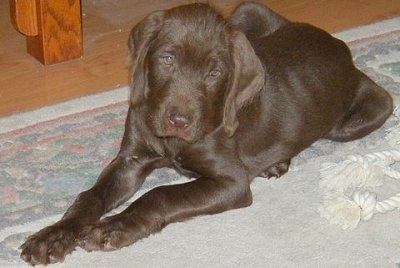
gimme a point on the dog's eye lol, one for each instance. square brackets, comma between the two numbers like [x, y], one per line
[168, 59]
[215, 72]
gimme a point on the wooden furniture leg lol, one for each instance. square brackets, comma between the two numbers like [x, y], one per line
[53, 28]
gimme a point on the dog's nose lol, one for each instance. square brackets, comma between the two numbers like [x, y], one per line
[180, 121]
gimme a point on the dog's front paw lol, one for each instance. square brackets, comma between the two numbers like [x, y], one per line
[108, 234]
[50, 245]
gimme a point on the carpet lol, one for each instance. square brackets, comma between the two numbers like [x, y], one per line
[50, 155]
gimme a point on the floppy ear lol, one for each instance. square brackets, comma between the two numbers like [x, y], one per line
[139, 40]
[248, 79]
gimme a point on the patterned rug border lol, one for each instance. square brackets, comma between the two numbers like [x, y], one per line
[383, 36]
[86, 113]
[56, 111]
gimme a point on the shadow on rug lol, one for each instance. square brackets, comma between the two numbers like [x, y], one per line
[43, 166]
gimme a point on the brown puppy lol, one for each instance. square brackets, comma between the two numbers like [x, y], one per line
[222, 101]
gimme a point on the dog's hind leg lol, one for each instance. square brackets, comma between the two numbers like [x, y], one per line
[256, 20]
[370, 109]
[276, 170]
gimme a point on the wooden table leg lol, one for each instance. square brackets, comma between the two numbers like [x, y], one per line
[53, 28]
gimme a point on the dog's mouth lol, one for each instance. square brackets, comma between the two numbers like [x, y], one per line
[172, 132]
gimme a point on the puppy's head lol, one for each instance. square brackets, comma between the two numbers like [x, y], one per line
[191, 72]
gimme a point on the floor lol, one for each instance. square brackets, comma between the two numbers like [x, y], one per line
[25, 84]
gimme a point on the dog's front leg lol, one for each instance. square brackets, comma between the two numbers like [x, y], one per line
[116, 184]
[164, 205]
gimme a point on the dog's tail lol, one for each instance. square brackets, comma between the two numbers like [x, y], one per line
[256, 20]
